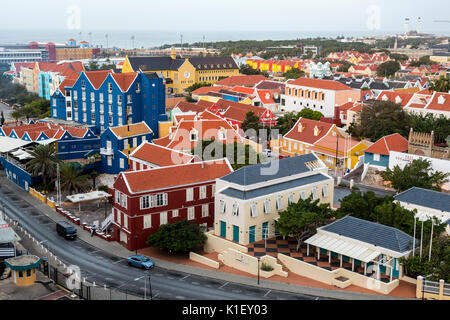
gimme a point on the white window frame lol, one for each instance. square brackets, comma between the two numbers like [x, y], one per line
[145, 202]
[147, 223]
[376, 157]
[279, 203]
[314, 193]
[189, 194]
[191, 213]
[117, 192]
[235, 209]
[222, 206]
[119, 219]
[303, 195]
[266, 206]
[163, 218]
[202, 192]
[125, 221]
[291, 198]
[253, 210]
[123, 200]
[122, 163]
[205, 210]
[175, 213]
[325, 191]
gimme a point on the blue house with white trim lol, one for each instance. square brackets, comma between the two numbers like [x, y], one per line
[101, 99]
[114, 145]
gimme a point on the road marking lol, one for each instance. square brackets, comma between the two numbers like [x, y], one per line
[267, 293]
[317, 298]
[119, 261]
[185, 277]
[223, 285]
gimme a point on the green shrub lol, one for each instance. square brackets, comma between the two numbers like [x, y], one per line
[103, 188]
[266, 267]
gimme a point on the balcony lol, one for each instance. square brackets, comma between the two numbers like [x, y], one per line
[106, 151]
[92, 99]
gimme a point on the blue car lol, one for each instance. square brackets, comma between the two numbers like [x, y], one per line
[140, 261]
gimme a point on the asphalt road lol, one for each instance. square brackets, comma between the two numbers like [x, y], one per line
[104, 268]
[6, 112]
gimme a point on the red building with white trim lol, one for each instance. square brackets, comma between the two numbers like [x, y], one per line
[146, 199]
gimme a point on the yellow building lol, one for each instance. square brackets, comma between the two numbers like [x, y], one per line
[442, 58]
[23, 269]
[180, 73]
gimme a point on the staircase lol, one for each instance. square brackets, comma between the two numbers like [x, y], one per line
[107, 222]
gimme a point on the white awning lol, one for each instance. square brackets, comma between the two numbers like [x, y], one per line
[82, 197]
[343, 247]
[47, 141]
[8, 144]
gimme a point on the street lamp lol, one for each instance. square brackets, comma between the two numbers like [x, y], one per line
[150, 286]
[136, 237]
[48, 250]
[258, 269]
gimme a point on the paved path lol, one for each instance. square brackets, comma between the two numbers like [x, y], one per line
[6, 112]
[171, 280]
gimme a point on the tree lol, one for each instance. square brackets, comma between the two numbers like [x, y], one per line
[388, 68]
[300, 220]
[248, 70]
[197, 85]
[384, 210]
[425, 60]
[286, 122]
[310, 114]
[43, 161]
[17, 115]
[180, 236]
[440, 85]
[398, 57]
[29, 111]
[381, 118]
[419, 173]
[251, 122]
[293, 73]
[427, 123]
[238, 154]
[93, 65]
[72, 178]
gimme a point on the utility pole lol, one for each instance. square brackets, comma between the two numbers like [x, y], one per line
[90, 39]
[181, 36]
[107, 44]
[132, 42]
[337, 146]
[431, 239]
[58, 185]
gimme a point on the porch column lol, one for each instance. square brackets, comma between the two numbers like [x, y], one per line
[392, 268]
[365, 268]
[307, 249]
[378, 270]
[329, 256]
[318, 253]
[341, 261]
[353, 264]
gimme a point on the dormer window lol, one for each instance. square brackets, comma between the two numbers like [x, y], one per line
[194, 135]
[441, 99]
[138, 87]
[222, 134]
[83, 83]
[316, 131]
[300, 127]
[384, 98]
[398, 100]
[110, 87]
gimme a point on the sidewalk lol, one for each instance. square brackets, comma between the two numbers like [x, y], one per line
[227, 274]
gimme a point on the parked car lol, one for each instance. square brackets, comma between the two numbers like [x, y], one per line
[140, 261]
[268, 152]
[66, 230]
[282, 157]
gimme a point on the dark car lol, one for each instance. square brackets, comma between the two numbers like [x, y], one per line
[66, 230]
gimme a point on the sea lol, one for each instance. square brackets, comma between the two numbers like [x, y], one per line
[156, 38]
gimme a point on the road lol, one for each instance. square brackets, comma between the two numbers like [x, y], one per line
[6, 112]
[104, 268]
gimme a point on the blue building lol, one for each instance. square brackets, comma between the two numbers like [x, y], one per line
[377, 155]
[101, 99]
[114, 145]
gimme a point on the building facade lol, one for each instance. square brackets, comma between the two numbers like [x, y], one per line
[146, 199]
[318, 95]
[103, 99]
[248, 201]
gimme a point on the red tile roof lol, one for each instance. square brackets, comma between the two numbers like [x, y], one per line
[246, 81]
[440, 101]
[187, 106]
[205, 103]
[97, 77]
[396, 97]
[393, 142]
[135, 130]
[265, 96]
[206, 90]
[172, 176]
[245, 90]
[321, 84]
[160, 156]
[307, 133]
[125, 80]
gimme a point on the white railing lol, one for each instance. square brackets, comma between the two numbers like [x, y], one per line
[106, 151]
[107, 222]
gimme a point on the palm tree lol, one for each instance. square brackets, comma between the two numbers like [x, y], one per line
[44, 161]
[286, 122]
[72, 178]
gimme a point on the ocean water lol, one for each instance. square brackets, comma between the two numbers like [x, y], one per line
[150, 39]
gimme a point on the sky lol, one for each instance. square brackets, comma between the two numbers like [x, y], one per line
[375, 16]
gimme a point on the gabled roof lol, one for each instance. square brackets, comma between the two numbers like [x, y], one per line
[392, 142]
[136, 129]
[307, 133]
[238, 111]
[173, 176]
[155, 63]
[160, 156]
[320, 84]
[330, 142]
[265, 97]
[246, 81]
[372, 233]
[395, 97]
[253, 174]
[187, 107]
[97, 77]
[439, 101]
[425, 198]
[124, 80]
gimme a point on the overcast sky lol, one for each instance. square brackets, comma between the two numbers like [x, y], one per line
[226, 15]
